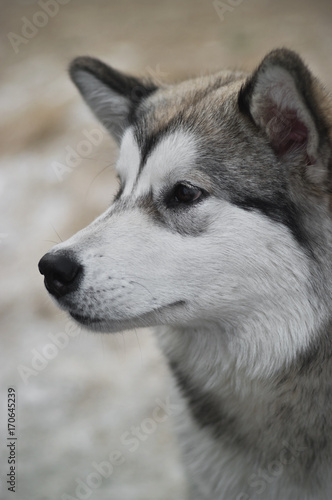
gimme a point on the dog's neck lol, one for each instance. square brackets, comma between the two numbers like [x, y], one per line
[249, 413]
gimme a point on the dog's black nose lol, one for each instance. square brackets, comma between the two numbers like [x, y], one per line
[62, 272]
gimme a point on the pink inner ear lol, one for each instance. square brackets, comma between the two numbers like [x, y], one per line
[285, 129]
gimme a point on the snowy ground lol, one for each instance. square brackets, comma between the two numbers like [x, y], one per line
[80, 396]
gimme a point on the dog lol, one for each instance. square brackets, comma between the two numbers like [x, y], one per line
[220, 236]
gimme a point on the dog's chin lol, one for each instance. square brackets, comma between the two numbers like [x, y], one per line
[109, 325]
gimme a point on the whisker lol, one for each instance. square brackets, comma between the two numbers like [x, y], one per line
[109, 165]
[56, 232]
[51, 241]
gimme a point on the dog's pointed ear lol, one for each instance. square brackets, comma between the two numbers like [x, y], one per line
[281, 97]
[113, 96]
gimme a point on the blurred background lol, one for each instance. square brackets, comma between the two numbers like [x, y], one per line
[81, 396]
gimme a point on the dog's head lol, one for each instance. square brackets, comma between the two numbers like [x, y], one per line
[222, 181]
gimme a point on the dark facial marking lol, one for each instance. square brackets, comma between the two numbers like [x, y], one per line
[279, 211]
[148, 142]
[148, 204]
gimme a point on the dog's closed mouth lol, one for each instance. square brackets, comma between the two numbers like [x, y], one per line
[90, 320]
[86, 320]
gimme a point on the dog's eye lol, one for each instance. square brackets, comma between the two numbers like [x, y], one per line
[185, 194]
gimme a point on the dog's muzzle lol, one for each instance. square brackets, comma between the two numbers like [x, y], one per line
[62, 272]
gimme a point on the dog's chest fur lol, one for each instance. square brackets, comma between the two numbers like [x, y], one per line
[244, 438]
